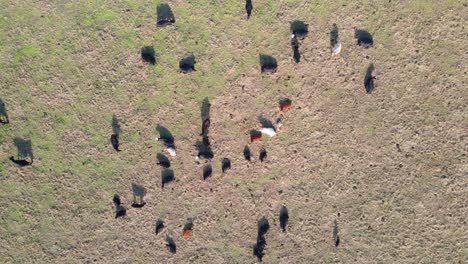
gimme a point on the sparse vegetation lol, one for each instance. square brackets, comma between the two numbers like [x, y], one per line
[67, 66]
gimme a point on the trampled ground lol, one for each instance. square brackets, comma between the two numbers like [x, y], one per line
[67, 66]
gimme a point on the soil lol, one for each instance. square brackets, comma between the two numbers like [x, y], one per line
[366, 178]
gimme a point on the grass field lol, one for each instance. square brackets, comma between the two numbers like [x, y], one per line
[68, 66]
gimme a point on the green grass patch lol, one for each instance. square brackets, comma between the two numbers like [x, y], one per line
[26, 53]
[99, 18]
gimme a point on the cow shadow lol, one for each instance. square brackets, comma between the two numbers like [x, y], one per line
[205, 109]
[205, 117]
[334, 35]
[3, 113]
[204, 151]
[369, 79]
[24, 152]
[139, 193]
[116, 129]
[336, 236]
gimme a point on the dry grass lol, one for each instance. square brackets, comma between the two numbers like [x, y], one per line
[79, 62]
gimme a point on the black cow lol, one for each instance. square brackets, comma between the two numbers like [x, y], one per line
[116, 200]
[247, 153]
[364, 38]
[115, 141]
[283, 218]
[263, 154]
[336, 237]
[295, 48]
[225, 164]
[248, 7]
[171, 245]
[159, 226]
[207, 171]
[21, 162]
[120, 211]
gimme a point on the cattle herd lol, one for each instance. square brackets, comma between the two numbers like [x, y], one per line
[268, 64]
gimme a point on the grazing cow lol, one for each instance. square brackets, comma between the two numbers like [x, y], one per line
[205, 127]
[255, 135]
[247, 153]
[299, 29]
[268, 64]
[164, 15]
[248, 7]
[267, 127]
[364, 38]
[225, 164]
[335, 44]
[207, 171]
[263, 226]
[147, 54]
[167, 176]
[187, 64]
[170, 244]
[115, 141]
[369, 84]
[166, 136]
[270, 131]
[295, 48]
[120, 211]
[170, 147]
[187, 231]
[336, 237]
[369, 79]
[285, 104]
[283, 217]
[20, 162]
[163, 161]
[159, 226]
[263, 154]
[116, 200]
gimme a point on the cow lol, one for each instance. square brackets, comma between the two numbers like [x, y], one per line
[248, 7]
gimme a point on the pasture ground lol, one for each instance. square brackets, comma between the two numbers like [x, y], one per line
[67, 66]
